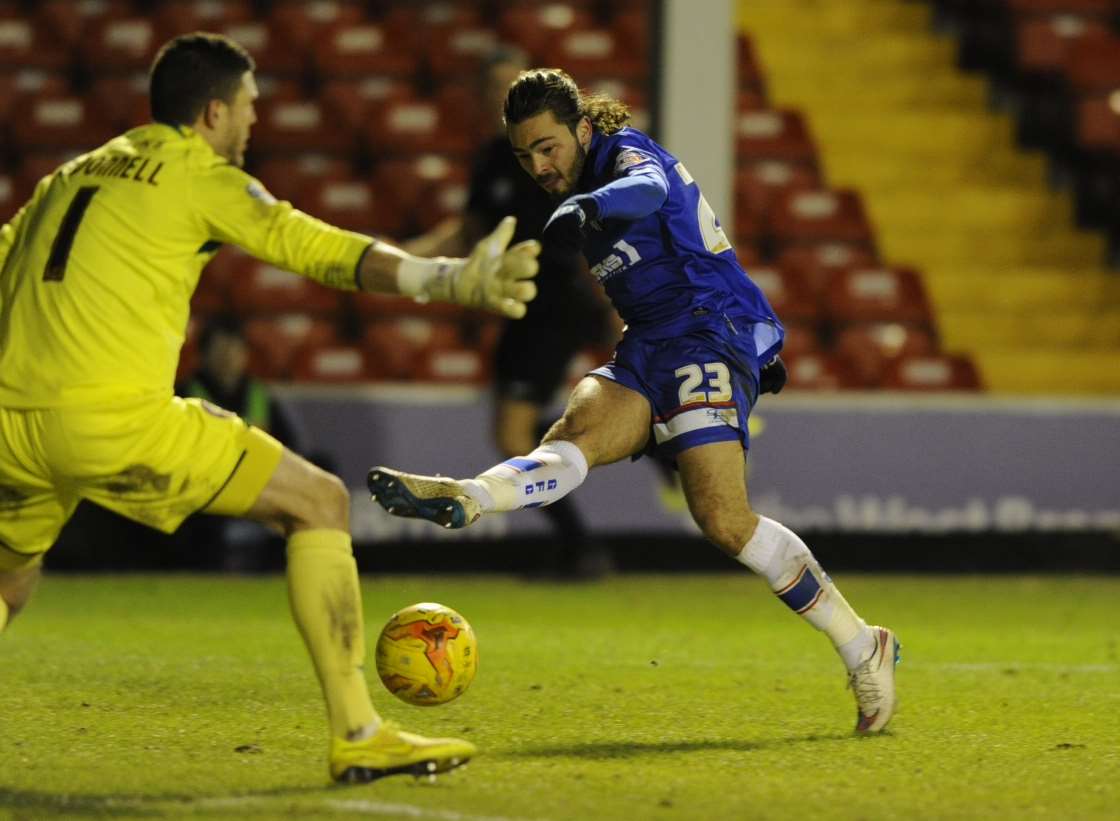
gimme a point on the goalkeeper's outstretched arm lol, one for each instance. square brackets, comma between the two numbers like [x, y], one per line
[233, 207]
[494, 277]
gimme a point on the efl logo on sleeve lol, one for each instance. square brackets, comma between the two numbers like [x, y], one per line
[628, 158]
[258, 192]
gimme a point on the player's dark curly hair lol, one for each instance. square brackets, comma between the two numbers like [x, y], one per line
[551, 89]
[190, 71]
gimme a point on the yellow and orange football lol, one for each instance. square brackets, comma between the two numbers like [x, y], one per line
[427, 654]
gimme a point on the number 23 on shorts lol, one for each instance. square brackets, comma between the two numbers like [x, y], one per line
[718, 383]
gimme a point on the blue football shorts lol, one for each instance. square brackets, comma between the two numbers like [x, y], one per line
[701, 385]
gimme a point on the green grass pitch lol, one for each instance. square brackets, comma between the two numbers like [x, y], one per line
[642, 697]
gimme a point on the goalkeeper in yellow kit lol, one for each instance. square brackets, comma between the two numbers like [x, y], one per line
[96, 275]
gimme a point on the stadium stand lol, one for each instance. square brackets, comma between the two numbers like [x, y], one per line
[366, 113]
[339, 363]
[1011, 280]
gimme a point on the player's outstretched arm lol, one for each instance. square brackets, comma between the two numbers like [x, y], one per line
[494, 277]
[233, 207]
[642, 191]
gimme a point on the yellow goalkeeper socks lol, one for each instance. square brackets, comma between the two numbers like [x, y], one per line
[3, 614]
[327, 607]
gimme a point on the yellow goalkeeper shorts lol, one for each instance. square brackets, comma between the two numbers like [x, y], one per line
[156, 462]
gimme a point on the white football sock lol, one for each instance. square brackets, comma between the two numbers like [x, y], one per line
[778, 555]
[549, 473]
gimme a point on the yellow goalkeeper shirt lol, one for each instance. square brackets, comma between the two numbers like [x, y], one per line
[99, 266]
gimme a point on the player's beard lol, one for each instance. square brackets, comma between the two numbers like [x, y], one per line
[574, 172]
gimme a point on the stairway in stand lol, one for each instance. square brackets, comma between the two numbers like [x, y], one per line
[1014, 284]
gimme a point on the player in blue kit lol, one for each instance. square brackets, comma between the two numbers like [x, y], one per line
[701, 343]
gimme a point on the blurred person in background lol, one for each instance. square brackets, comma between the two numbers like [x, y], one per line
[569, 314]
[701, 345]
[97, 270]
[223, 379]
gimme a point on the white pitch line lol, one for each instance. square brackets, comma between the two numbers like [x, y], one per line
[360, 806]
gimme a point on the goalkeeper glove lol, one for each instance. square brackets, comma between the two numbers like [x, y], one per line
[772, 376]
[494, 277]
[570, 222]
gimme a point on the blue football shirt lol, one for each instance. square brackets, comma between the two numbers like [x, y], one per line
[671, 269]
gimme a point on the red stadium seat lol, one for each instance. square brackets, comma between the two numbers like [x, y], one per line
[536, 27]
[211, 295]
[338, 363]
[277, 87]
[438, 351]
[27, 43]
[54, 121]
[28, 83]
[277, 341]
[120, 44]
[801, 338]
[287, 176]
[270, 47]
[750, 100]
[302, 23]
[379, 307]
[421, 191]
[299, 125]
[448, 198]
[122, 99]
[633, 29]
[188, 355]
[459, 109]
[352, 204]
[747, 254]
[350, 102]
[435, 16]
[1043, 43]
[410, 127]
[870, 347]
[806, 217]
[759, 184]
[389, 352]
[819, 262]
[1098, 123]
[885, 294]
[415, 184]
[788, 292]
[400, 348]
[590, 52]
[633, 94]
[456, 38]
[70, 21]
[457, 52]
[10, 199]
[34, 165]
[817, 372]
[455, 365]
[1093, 65]
[750, 228]
[177, 16]
[355, 50]
[939, 372]
[749, 72]
[261, 288]
[774, 135]
[228, 264]
[1099, 8]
